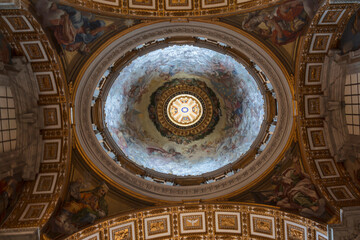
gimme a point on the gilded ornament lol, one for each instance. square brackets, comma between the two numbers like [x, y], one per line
[122, 234]
[184, 110]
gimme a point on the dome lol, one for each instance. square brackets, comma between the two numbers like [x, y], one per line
[129, 98]
[184, 110]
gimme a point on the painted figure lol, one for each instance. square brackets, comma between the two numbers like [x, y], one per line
[72, 29]
[288, 22]
[163, 153]
[82, 209]
[284, 24]
[294, 190]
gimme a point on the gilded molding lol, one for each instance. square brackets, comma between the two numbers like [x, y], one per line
[330, 176]
[39, 197]
[209, 221]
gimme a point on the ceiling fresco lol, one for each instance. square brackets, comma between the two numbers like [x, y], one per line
[280, 26]
[76, 33]
[130, 116]
[307, 186]
[88, 199]
[290, 188]
[96, 85]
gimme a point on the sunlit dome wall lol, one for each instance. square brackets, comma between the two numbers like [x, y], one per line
[127, 118]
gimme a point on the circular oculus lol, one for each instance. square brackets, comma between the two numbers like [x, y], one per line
[184, 110]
